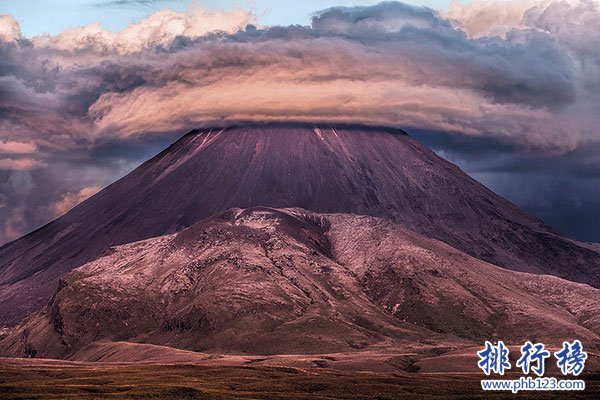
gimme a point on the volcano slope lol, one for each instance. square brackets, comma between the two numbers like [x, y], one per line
[264, 281]
[364, 171]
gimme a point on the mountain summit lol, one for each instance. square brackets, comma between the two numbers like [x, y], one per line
[355, 170]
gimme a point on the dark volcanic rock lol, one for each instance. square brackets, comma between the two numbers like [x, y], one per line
[355, 170]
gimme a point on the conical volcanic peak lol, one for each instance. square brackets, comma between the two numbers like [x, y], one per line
[346, 169]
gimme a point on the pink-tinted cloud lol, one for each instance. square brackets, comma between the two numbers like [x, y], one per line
[12, 147]
[71, 199]
[20, 164]
[389, 64]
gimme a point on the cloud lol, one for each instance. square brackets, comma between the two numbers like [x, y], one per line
[10, 30]
[159, 29]
[20, 164]
[13, 224]
[14, 185]
[391, 64]
[480, 18]
[71, 199]
[380, 19]
[12, 147]
[522, 73]
[31, 197]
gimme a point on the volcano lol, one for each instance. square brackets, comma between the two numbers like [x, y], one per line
[354, 170]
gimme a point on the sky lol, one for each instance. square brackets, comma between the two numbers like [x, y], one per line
[508, 90]
[38, 17]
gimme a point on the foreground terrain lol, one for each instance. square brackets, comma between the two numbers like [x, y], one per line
[41, 379]
[267, 281]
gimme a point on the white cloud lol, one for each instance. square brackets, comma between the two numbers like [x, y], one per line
[158, 29]
[9, 29]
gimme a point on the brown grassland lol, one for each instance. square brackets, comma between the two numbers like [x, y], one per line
[56, 380]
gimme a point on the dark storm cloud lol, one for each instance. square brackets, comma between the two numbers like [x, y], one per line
[383, 18]
[562, 188]
[509, 98]
[533, 71]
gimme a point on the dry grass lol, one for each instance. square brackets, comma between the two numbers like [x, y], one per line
[151, 381]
